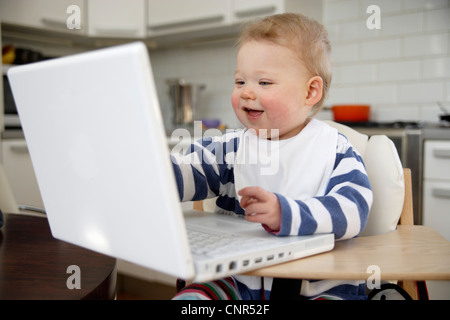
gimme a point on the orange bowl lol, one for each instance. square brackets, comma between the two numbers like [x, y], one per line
[351, 112]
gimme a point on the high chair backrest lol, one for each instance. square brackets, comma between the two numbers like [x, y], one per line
[386, 177]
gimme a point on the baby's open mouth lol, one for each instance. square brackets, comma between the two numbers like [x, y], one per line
[253, 112]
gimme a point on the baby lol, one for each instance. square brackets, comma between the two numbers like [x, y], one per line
[319, 184]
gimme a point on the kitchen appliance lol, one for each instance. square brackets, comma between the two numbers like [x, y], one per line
[185, 97]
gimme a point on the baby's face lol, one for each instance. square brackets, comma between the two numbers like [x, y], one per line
[271, 89]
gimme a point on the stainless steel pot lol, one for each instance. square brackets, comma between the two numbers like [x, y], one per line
[185, 97]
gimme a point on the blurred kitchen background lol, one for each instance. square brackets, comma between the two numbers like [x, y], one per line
[401, 70]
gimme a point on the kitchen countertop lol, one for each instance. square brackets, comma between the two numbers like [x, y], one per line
[430, 131]
[427, 130]
[436, 133]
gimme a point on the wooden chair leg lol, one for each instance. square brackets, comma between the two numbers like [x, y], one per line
[410, 287]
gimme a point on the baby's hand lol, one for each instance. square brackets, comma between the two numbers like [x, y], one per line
[261, 206]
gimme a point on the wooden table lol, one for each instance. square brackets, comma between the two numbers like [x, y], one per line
[33, 265]
[408, 253]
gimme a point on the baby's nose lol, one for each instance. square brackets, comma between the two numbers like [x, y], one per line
[248, 93]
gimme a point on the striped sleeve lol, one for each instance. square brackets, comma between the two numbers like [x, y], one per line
[206, 169]
[344, 208]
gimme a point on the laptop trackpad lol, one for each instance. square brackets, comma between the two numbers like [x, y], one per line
[222, 224]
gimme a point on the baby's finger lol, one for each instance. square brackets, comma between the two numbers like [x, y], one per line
[253, 192]
[246, 201]
[255, 209]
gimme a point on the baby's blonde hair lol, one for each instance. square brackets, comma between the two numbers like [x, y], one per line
[305, 36]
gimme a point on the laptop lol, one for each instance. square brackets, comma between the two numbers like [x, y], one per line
[95, 134]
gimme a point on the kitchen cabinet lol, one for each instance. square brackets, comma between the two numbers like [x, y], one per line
[436, 200]
[437, 205]
[47, 15]
[174, 16]
[140, 19]
[252, 8]
[169, 17]
[249, 9]
[436, 187]
[20, 173]
[117, 18]
[98, 18]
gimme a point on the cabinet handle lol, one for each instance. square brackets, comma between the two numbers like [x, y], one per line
[53, 22]
[254, 11]
[19, 148]
[441, 153]
[116, 30]
[187, 22]
[441, 193]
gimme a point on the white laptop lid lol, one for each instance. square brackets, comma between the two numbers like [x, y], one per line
[74, 112]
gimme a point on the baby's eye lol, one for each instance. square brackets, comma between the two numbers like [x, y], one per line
[264, 83]
[239, 82]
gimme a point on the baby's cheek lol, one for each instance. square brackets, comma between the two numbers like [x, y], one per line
[270, 102]
[273, 107]
[235, 101]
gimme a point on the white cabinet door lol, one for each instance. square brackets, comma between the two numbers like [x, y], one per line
[436, 205]
[171, 16]
[436, 186]
[437, 159]
[117, 18]
[436, 201]
[20, 172]
[243, 10]
[44, 14]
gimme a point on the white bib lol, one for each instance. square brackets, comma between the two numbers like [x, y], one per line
[299, 167]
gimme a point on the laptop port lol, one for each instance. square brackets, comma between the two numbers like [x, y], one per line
[281, 255]
[271, 257]
[219, 268]
[232, 265]
[258, 260]
[245, 263]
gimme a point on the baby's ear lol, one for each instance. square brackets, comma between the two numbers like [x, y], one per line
[315, 90]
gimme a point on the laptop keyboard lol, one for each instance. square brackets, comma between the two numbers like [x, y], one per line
[205, 243]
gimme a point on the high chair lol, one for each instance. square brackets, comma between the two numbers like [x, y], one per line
[391, 185]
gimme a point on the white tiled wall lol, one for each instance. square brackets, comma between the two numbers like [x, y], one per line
[402, 70]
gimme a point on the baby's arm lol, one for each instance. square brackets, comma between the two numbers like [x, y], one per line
[196, 177]
[203, 170]
[343, 210]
